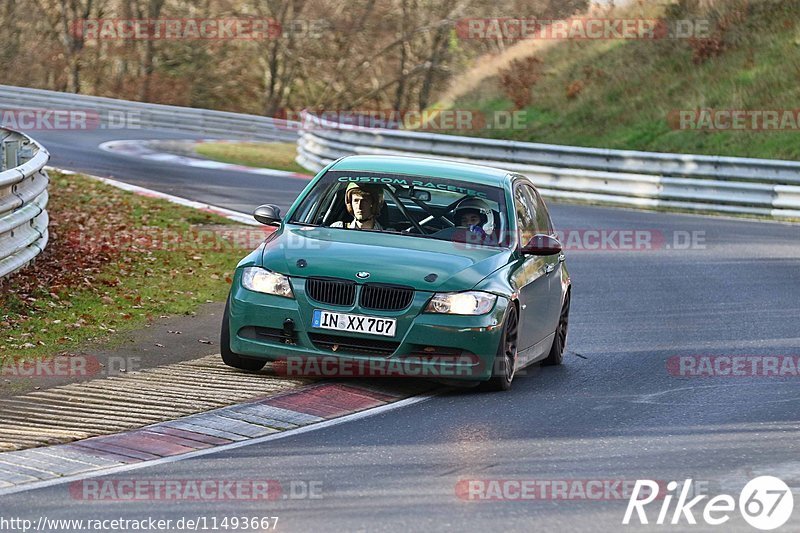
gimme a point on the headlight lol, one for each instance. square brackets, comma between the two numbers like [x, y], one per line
[461, 303]
[261, 280]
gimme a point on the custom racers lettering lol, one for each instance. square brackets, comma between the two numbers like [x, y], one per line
[426, 184]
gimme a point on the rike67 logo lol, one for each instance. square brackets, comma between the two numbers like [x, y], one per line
[766, 503]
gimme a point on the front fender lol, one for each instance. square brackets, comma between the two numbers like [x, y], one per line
[500, 282]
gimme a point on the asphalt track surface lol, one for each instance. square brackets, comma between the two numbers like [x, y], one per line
[239, 191]
[612, 412]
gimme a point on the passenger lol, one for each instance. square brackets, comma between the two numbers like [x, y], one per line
[472, 213]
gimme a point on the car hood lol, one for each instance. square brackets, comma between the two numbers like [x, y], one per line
[392, 259]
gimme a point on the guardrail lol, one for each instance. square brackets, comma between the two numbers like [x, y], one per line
[23, 200]
[110, 113]
[762, 187]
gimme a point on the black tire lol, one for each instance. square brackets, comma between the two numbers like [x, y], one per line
[230, 358]
[556, 355]
[503, 367]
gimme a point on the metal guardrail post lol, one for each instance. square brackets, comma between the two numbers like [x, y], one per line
[10, 154]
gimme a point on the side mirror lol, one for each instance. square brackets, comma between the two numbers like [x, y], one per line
[541, 244]
[269, 215]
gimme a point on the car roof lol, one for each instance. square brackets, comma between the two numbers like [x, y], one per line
[424, 166]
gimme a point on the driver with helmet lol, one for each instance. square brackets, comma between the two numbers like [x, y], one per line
[473, 214]
[364, 202]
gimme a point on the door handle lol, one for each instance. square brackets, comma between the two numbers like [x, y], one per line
[561, 258]
[549, 268]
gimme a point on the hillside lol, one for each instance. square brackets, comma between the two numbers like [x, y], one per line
[628, 94]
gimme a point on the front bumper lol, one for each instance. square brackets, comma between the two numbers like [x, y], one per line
[426, 345]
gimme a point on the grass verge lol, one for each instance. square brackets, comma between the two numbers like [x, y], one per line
[279, 156]
[115, 261]
[628, 94]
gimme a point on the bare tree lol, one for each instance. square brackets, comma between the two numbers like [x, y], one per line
[359, 54]
[10, 32]
[153, 11]
[279, 62]
[73, 13]
[65, 20]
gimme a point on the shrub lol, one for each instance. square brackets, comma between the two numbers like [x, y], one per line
[519, 78]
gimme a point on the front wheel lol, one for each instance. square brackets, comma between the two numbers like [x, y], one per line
[556, 355]
[230, 358]
[506, 358]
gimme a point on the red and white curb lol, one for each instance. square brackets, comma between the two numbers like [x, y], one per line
[142, 149]
[298, 411]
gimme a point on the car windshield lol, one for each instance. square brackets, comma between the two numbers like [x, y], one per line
[419, 206]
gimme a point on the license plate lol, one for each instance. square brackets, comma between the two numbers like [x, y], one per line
[356, 323]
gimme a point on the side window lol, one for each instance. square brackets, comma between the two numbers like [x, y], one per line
[526, 215]
[542, 215]
[309, 211]
[316, 215]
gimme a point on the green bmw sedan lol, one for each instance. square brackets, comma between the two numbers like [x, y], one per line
[403, 266]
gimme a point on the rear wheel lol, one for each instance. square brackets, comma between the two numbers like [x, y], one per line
[556, 355]
[503, 368]
[230, 358]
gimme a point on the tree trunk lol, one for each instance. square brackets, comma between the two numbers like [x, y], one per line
[71, 13]
[439, 43]
[401, 84]
[153, 12]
